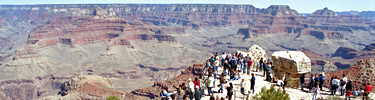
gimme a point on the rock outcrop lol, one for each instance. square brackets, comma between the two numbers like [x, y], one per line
[89, 87]
[153, 91]
[324, 12]
[370, 47]
[346, 53]
[291, 63]
[255, 52]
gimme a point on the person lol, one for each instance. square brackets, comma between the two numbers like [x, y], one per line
[261, 65]
[191, 89]
[269, 78]
[279, 83]
[302, 80]
[230, 91]
[232, 74]
[229, 55]
[252, 82]
[223, 58]
[331, 86]
[269, 67]
[316, 87]
[322, 79]
[243, 86]
[202, 84]
[180, 91]
[241, 62]
[274, 79]
[214, 76]
[348, 90]
[343, 84]
[212, 60]
[211, 98]
[249, 65]
[285, 83]
[367, 92]
[311, 82]
[335, 83]
[191, 85]
[233, 64]
[245, 61]
[198, 94]
[265, 69]
[215, 65]
[226, 67]
[185, 97]
[196, 83]
[163, 93]
[208, 64]
[356, 92]
[222, 82]
[236, 76]
[210, 85]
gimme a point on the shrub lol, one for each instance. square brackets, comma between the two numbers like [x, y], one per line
[113, 98]
[271, 94]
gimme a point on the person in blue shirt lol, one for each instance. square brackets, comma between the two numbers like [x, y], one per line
[322, 78]
[252, 82]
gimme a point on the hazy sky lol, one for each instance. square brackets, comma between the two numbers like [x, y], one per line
[302, 6]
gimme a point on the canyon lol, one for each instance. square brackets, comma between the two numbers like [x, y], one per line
[140, 45]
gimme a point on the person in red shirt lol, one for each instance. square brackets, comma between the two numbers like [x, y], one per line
[249, 64]
[196, 83]
[367, 91]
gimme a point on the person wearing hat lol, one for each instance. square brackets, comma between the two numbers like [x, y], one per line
[198, 94]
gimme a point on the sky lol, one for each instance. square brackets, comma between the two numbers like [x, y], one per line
[302, 6]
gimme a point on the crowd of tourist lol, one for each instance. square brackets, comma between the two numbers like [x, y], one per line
[234, 65]
[336, 84]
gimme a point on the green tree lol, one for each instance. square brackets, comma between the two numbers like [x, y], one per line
[271, 94]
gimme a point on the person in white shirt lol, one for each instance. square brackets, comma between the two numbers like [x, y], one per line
[335, 84]
[279, 83]
[243, 86]
[191, 85]
[216, 64]
[343, 84]
[210, 85]
[223, 58]
[229, 56]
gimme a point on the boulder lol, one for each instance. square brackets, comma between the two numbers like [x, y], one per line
[291, 63]
[255, 52]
